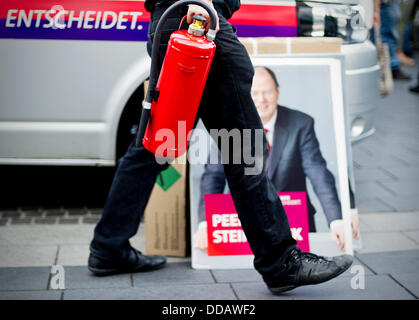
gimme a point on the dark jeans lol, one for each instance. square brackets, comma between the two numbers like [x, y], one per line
[226, 103]
[390, 17]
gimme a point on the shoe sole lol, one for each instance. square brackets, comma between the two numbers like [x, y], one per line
[108, 272]
[279, 290]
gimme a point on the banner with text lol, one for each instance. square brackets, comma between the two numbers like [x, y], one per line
[226, 236]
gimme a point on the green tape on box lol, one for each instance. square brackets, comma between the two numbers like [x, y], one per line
[167, 178]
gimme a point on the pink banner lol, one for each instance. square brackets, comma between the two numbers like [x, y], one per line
[225, 235]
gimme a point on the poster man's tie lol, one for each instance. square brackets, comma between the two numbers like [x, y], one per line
[269, 149]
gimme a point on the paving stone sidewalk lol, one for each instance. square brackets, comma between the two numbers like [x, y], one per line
[387, 276]
[386, 165]
[388, 265]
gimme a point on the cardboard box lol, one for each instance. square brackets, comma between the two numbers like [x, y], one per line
[165, 214]
[274, 45]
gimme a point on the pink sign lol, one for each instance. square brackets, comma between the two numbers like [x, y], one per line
[225, 235]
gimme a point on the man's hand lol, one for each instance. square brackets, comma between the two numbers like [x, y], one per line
[200, 238]
[355, 225]
[338, 232]
[338, 236]
[199, 11]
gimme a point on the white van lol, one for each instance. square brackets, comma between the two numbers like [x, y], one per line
[72, 75]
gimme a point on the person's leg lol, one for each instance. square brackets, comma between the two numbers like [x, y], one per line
[227, 104]
[390, 16]
[403, 31]
[131, 188]
[134, 179]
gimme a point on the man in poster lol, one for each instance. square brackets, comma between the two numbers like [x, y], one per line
[294, 155]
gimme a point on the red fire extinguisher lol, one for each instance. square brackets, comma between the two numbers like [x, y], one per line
[172, 103]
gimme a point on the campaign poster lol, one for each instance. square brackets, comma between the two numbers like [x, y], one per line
[312, 85]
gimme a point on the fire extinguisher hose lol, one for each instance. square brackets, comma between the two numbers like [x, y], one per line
[151, 91]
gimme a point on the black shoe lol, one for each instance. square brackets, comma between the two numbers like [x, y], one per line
[136, 262]
[414, 89]
[398, 74]
[305, 268]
